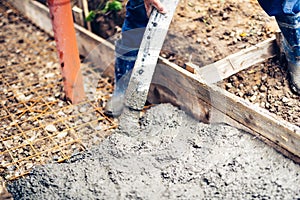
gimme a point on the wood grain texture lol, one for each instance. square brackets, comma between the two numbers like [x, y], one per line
[241, 60]
[245, 113]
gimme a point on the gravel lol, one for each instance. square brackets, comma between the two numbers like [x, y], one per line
[36, 123]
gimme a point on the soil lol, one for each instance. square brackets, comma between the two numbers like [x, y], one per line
[206, 31]
[266, 85]
[203, 31]
[173, 157]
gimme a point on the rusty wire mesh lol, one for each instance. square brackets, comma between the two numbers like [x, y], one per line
[37, 126]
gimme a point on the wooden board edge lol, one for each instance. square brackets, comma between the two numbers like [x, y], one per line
[239, 61]
[251, 117]
[36, 12]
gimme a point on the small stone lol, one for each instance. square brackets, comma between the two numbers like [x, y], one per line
[163, 55]
[264, 77]
[69, 111]
[56, 95]
[9, 11]
[225, 16]
[28, 166]
[206, 42]
[62, 134]
[49, 75]
[234, 40]
[28, 97]
[20, 151]
[3, 112]
[8, 143]
[82, 109]
[240, 94]
[20, 96]
[241, 86]
[51, 128]
[11, 168]
[86, 119]
[98, 128]
[277, 87]
[61, 113]
[50, 99]
[253, 98]
[55, 158]
[228, 86]
[262, 88]
[285, 100]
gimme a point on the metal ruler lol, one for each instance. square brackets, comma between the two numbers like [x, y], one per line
[154, 36]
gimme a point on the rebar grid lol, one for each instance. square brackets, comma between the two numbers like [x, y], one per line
[37, 126]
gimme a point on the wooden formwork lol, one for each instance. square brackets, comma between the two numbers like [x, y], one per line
[189, 89]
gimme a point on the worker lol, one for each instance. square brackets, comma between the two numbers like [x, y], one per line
[287, 16]
[137, 13]
[126, 49]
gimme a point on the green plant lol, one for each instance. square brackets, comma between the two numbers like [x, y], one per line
[113, 5]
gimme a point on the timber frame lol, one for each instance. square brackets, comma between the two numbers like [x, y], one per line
[189, 90]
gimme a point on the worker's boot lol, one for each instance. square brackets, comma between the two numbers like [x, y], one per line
[290, 29]
[124, 63]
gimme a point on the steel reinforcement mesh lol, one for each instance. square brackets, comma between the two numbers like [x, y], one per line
[37, 126]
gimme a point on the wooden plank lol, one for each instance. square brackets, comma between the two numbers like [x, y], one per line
[78, 15]
[189, 90]
[86, 13]
[247, 114]
[35, 11]
[234, 63]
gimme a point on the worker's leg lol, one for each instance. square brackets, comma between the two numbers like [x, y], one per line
[288, 18]
[126, 51]
[290, 29]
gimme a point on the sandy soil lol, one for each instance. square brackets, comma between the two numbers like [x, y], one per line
[173, 157]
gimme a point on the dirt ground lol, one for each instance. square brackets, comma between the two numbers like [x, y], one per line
[206, 31]
[266, 85]
[37, 124]
[175, 156]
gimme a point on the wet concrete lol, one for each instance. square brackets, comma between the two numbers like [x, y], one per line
[173, 157]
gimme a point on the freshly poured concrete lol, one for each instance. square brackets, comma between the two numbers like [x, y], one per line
[173, 157]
